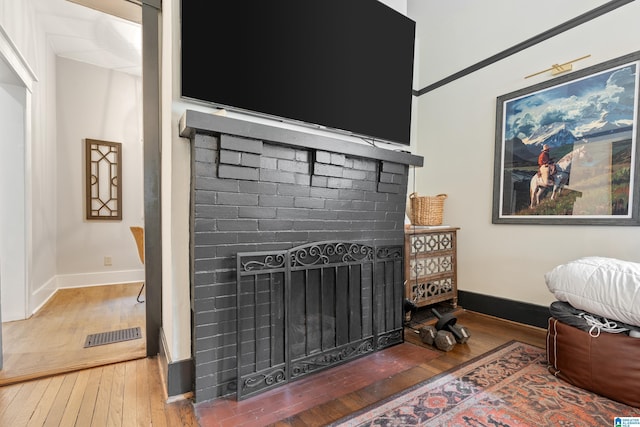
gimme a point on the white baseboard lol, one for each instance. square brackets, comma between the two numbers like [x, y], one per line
[41, 295]
[102, 278]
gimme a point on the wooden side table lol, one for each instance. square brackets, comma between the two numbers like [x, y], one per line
[430, 265]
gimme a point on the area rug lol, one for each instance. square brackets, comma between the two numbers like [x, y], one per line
[504, 388]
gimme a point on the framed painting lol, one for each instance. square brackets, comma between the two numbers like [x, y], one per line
[566, 149]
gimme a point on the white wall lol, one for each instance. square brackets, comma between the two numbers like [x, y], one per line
[42, 172]
[33, 59]
[13, 267]
[176, 189]
[456, 131]
[399, 5]
[96, 103]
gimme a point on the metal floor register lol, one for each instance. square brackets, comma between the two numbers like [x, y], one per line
[111, 337]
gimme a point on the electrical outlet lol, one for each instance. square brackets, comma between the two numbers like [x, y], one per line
[107, 260]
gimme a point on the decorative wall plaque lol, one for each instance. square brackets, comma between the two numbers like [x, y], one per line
[103, 163]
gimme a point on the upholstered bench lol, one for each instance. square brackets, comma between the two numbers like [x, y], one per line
[606, 291]
[608, 364]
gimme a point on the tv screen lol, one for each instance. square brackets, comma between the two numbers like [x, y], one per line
[346, 65]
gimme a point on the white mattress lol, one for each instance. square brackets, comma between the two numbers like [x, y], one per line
[607, 287]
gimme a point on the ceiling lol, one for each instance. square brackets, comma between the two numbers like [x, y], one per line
[105, 33]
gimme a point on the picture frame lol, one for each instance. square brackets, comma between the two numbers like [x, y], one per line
[589, 121]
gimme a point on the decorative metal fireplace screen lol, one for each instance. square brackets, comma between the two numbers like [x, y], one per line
[312, 307]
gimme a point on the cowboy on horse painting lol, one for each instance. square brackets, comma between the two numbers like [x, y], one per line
[553, 174]
[546, 167]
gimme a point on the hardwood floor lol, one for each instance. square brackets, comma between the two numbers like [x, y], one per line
[50, 379]
[52, 340]
[326, 399]
[131, 393]
[121, 394]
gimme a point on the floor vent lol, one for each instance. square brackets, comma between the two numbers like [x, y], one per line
[111, 337]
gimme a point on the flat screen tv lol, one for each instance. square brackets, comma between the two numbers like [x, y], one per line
[345, 65]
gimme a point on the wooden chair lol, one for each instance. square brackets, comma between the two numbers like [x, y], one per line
[138, 235]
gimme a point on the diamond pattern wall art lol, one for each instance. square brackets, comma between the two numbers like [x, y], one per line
[103, 163]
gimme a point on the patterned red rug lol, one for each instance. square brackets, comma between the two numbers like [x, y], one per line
[505, 388]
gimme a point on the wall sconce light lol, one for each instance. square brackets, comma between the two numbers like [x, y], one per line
[559, 68]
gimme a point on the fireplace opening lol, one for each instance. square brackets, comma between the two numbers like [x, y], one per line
[313, 307]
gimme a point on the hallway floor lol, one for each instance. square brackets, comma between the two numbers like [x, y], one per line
[52, 340]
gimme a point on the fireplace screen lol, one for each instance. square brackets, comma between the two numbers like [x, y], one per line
[313, 307]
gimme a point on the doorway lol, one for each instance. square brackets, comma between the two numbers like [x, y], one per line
[17, 215]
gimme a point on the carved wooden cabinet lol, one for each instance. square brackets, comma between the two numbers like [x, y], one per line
[430, 265]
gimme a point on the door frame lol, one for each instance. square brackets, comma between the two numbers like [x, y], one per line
[151, 128]
[24, 76]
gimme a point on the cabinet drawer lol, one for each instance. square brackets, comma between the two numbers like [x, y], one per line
[429, 243]
[420, 267]
[429, 291]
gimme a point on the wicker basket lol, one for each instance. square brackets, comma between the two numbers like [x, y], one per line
[427, 210]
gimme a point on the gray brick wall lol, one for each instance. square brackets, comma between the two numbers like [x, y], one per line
[253, 195]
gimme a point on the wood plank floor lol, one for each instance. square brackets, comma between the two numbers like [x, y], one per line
[131, 392]
[52, 340]
[294, 407]
[50, 379]
[121, 394]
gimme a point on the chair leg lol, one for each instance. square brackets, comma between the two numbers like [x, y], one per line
[140, 293]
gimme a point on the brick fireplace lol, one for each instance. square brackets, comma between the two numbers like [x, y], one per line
[259, 188]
